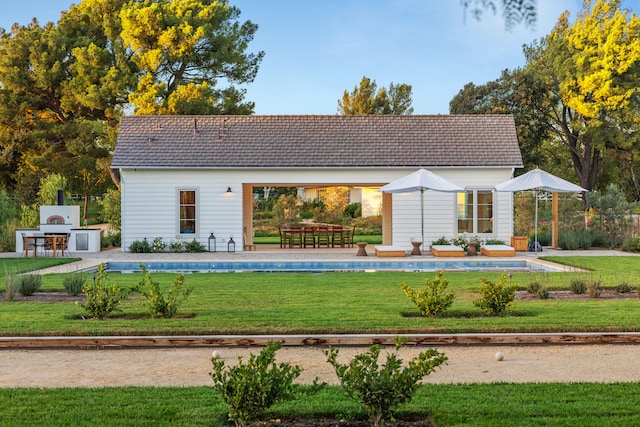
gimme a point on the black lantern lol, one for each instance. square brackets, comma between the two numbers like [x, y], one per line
[212, 237]
[231, 247]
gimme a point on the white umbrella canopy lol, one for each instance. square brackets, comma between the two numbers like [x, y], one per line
[537, 180]
[422, 180]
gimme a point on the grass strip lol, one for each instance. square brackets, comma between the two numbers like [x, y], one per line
[24, 265]
[497, 404]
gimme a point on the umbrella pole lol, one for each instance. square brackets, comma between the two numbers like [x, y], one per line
[422, 215]
[535, 243]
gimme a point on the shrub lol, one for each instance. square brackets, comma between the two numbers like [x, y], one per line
[538, 289]
[611, 219]
[111, 240]
[462, 242]
[434, 299]
[28, 284]
[623, 288]
[441, 241]
[158, 245]
[194, 247]
[368, 225]
[140, 247]
[306, 215]
[379, 389]
[102, 297]
[494, 242]
[11, 284]
[578, 286]
[631, 244]
[497, 298]
[572, 239]
[594, 289]
[73, 283]
[157, 303]
[248, 389]
[353, 210]
[176, 247]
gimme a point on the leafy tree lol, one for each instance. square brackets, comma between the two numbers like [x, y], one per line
[49, 186]
[562, 119]
[65, 86]
[594, 62]
[516, 92]
[182, 49]
[365, 100]
[513, 11]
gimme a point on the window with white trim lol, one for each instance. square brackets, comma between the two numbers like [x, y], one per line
[475, 212]
[188, 211]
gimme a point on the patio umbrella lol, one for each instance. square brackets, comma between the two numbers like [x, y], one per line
[422, 180]
[537, 180]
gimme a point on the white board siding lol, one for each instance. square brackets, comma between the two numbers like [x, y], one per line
[149, 200]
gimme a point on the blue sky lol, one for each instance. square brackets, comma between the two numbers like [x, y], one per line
[315, 50]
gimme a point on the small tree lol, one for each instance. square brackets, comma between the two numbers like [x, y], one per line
[611, 215]
[8, 216]
[434, 299]
[102, 297]
[110, 211]
[497, 298]
[248, 389]
[159, 304]
[379, 389]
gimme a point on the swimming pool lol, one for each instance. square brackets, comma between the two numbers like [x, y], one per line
[327, 266]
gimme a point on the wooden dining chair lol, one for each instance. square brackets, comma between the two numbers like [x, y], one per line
[26, 247]
[309, 236]
[337, 236]
[324, 238]
[296, 237]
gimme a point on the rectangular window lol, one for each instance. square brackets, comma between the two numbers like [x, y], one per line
[475, 212]
[188, 212]
[485, 212]
[465, 212]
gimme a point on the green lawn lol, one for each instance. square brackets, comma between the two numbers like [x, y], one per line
[327, 303]
[288, 303]
[576, 404]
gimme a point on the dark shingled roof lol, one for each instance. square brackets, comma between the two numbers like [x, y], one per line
[316, 141]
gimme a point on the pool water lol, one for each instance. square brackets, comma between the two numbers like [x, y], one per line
[326, 266]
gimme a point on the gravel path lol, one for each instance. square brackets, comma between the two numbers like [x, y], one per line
[191, 366]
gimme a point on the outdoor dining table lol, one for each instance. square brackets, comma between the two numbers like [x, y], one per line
[335, 236]
[49, 240]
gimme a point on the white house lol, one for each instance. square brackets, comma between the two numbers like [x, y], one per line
[186, 176]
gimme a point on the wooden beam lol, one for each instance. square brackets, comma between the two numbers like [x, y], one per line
[320, 340]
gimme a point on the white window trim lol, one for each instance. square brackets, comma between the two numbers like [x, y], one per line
[197, 231]
[475, 212]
